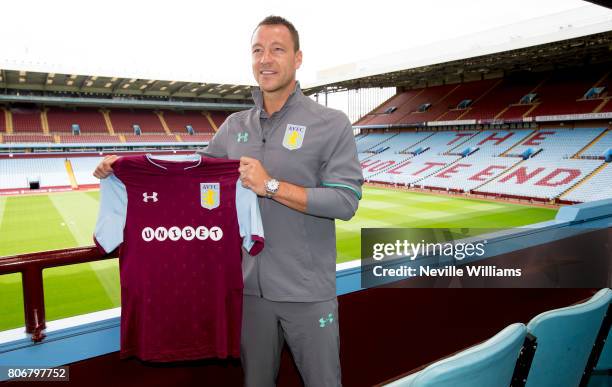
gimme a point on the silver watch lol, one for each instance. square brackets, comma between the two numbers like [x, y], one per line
[271, 186]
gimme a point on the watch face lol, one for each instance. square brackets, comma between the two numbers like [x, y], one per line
[272, 185]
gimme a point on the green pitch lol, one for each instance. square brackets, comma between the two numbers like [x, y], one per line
[63, 220]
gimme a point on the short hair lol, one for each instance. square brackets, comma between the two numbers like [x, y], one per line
[279, 20]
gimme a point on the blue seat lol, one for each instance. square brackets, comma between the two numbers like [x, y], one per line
[489, 364]
[601, 374]
[565, 340]
[605, 359]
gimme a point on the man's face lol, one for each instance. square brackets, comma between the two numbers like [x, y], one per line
[274, 58]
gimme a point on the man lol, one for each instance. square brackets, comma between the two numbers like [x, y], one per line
[301, 159]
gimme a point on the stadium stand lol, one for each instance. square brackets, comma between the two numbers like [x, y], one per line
[432, 95]
[376, 164]
[559, 94]
[150, 138]
[19, 173]
[93, 128]
[595, 188]
[398, 148]
[519, 163]
[88, 138]
[26, 120]
[491, 363]
[83, 167]
[507, 92]
[515, 111]
[218, 117]
[123, 121]
[554, 93]
[372, 140]
[598, 148]
[492, 142]
[405, 140]
[197, 137]
[364, 156]
[178, 121]
[540, 178]
[411, 170]
[27, 138]
[486, 160]
[470, 92]
[389, 111]
[557, 143]
[359, 136]
[2, 121]
[441, 142]
[90, 120]
[607, 107]
[469, 172]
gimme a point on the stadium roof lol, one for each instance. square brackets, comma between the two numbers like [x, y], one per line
[585, 50]
[32, 84]
[207, 42]
[571, 38]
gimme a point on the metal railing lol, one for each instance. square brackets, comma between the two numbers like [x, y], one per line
[31, 266]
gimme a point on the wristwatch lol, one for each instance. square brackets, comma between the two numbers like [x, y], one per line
[271, 186]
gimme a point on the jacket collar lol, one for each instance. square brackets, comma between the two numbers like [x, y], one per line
[259, 103]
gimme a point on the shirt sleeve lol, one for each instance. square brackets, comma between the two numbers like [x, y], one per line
[249, 220]
[108, 234]
[217, 147]
[341, 179]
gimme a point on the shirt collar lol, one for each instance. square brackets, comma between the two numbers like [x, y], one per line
[258, 98]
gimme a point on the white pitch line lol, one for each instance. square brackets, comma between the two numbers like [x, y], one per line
[2, 205]
[79, 210]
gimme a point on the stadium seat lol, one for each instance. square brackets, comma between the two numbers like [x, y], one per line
[26, 120]
[90, 120]
[604, 363]
[598, 149]
[543, 178]
[218, 117]
[605, 359]
[177, 122]
[372, 140]
[124, 119]
[488, 364]
[82, 167]
[565, 340]
[17, 173]
[559, 93]
[596, 188]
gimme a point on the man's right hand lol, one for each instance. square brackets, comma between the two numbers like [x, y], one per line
[105, 168]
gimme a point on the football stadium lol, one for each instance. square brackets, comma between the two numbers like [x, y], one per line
[502, 137]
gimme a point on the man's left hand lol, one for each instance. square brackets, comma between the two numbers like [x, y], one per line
[253, 175]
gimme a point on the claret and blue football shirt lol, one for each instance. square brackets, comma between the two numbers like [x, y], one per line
[181, 227]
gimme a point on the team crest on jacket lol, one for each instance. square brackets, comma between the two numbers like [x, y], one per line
[210, 195]
[294, 136]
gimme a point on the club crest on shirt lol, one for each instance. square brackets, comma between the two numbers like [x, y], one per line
[210, 195]
[294, 136]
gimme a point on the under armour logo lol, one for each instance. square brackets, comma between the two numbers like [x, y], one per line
[242, 137]
[146, 197]
[324, 321]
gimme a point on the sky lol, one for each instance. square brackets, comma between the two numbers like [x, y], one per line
[209, 41]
